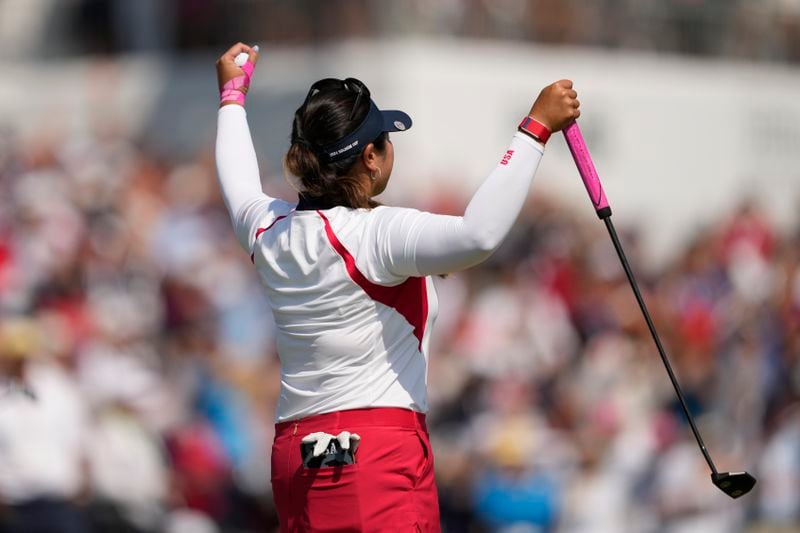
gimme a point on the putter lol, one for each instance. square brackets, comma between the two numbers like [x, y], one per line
[734, 484]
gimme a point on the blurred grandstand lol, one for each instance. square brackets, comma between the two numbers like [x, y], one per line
[137, 369]
[764, 30]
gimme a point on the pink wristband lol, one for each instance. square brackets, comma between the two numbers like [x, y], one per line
[535, 129]
[236, 88]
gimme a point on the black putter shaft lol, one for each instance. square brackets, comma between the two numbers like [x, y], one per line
[734, 484]
[635, 286]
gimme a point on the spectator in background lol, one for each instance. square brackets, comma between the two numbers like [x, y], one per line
[514, 489]
[128, 471]
[779, 499]
[43, 422]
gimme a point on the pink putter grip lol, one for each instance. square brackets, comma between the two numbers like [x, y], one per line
[580, 153]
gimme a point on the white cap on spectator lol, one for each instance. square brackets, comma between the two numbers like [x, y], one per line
[188, 521]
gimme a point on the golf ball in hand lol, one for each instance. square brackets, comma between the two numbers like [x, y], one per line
[241, 59]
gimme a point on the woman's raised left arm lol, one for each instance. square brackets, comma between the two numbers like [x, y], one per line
[237, 165]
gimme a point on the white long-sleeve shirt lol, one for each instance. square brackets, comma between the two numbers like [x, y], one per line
[349, 288]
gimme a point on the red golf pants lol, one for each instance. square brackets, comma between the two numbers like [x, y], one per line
[390, 488]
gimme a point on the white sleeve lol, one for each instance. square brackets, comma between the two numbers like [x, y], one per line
[237, 171]
[414, 243]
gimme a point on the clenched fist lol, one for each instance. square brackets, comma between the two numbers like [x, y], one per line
[556, 106]
[227, 69]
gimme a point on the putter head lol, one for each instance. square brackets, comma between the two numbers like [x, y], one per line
[734, 484]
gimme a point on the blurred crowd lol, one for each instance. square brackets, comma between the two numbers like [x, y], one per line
[755, 30]
[138, 375]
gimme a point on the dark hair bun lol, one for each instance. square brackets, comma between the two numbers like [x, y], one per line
[329, 114]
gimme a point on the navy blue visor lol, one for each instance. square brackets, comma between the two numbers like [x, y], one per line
[375, 123]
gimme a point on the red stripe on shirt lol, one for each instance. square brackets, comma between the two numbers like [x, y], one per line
[409, 298]
[259, 231]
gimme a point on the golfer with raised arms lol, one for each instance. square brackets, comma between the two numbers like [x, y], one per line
[348, 282]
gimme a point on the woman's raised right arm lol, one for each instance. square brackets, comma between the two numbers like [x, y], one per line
[411, 243]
